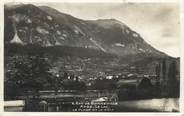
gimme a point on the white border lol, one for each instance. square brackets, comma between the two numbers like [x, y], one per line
[182, 57]
[2, 56]
[94, 1]
[87, 113]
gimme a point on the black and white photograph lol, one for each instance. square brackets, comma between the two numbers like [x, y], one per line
[91, 57]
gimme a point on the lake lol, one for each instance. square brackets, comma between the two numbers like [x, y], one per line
[148, 105]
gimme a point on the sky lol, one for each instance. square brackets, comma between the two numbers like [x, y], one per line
[157, 23]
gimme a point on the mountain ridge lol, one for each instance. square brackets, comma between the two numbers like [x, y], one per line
[48, 27]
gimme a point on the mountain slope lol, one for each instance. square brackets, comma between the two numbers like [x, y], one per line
[45, 26]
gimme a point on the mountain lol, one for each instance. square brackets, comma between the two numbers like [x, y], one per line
[88, 48]
[44, 26]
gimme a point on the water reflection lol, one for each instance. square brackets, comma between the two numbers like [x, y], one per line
[161, 105]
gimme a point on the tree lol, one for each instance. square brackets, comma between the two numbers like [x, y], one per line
[158, 70]
[38, 72]
[164, 68]
[69, 84]
[145, 88]
[157, 90]
[164, 80]
[29, 72]
[173, 83]
[104, 84]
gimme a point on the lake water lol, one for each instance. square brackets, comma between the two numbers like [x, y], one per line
[148, 105]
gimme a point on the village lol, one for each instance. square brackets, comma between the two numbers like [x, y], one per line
[103, 93]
